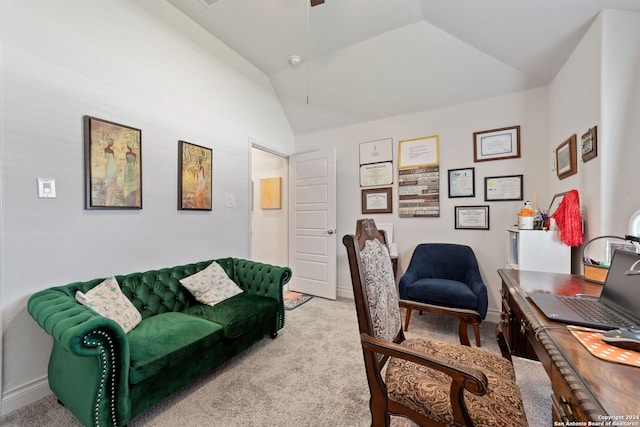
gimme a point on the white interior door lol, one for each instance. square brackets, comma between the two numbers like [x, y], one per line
[312, 223]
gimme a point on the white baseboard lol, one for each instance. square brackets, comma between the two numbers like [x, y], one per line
[25, 395]
[345, 293]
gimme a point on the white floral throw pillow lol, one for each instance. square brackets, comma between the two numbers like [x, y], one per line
[108, 300]
[211, 285]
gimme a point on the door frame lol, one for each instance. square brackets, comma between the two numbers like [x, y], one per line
[254, 187]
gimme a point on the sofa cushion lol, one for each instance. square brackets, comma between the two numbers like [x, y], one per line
[108, 300]
[167, 340]
[238, 314]
[211, 285]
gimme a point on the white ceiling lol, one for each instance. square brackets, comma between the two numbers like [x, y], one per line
[369, 59]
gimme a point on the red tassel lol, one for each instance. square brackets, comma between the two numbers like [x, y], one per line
[569, 220]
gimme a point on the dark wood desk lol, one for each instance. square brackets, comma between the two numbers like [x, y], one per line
[585, 388]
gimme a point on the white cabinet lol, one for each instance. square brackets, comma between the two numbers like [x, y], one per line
[537, 250]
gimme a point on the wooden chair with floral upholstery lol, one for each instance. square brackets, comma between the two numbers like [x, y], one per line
[431, 382]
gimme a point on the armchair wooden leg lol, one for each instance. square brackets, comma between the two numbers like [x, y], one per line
[407, 317]
[462, 332]
[476, 331]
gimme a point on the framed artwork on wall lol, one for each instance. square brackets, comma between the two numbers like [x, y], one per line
[566, 162]
[112, 165]
[590, 144]
[195, 167]
[271, 193]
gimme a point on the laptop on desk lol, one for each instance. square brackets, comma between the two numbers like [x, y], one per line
[617, 307]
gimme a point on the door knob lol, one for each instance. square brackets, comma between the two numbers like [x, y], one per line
[330, 231]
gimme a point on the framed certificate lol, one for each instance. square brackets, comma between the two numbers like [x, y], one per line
[418, 152]
[472, 217]
[377, 200]
[496, 144]
[376, 151]
[376, 174]
[503, 188]
[462, 183]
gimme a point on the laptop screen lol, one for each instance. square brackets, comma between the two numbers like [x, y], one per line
[622, 291]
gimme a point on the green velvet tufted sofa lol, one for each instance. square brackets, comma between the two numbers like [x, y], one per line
[105, 377]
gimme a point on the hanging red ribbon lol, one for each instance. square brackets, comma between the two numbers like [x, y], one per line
[569, 219]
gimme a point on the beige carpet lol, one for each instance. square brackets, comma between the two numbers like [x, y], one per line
[312, 375]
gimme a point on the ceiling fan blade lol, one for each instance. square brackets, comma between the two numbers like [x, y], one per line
[316, 2]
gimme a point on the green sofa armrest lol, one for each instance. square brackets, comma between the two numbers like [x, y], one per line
[256, 278]
[97, 344]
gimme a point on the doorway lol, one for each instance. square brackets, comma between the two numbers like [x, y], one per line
[269, 207]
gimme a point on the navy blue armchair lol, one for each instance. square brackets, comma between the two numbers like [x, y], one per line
[446, 277]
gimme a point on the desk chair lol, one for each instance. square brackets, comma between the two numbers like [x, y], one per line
[430, 382]
[446, 276]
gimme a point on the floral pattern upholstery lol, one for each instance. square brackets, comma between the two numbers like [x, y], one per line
[382, 299]
[426, 390]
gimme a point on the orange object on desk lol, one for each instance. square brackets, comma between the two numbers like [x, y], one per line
[593, 342]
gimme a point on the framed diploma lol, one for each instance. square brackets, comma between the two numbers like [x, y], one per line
[503, 188]
[377, 200]
[418, 152]
[472, 217]
[376, 151]
[462, 183]
[376, 174]
[496, 144]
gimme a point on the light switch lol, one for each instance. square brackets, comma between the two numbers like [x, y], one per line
[230, 201]
[46, 188]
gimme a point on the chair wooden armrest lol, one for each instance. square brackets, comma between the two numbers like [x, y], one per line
[466, 317]
[463, 377]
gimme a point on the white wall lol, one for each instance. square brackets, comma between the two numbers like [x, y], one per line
[142, 64]
[455, 126]
[574, 107]
[599, 85]
[269, 227]
[620, 123]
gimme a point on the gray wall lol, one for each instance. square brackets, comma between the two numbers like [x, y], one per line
[141, 64]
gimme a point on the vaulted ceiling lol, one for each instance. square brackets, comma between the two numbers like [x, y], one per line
[364, 60]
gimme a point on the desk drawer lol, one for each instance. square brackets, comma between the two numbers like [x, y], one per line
[565, 407]
[519, 332]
